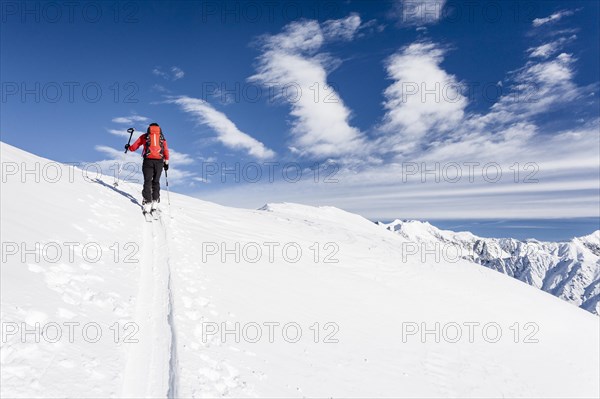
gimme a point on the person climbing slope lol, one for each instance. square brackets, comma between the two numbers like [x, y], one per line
[156, 157]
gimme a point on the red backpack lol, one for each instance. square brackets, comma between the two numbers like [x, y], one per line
[155, 143]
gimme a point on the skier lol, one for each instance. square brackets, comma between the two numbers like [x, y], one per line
[156, 157]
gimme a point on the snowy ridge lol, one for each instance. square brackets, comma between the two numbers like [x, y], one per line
[366, 294]
[568, 270]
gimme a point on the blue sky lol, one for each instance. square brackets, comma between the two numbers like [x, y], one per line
[403, 87]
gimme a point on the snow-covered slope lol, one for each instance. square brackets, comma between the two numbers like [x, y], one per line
[372, 323]
[568, 270]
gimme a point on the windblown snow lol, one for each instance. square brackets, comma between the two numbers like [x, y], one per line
[285, 301]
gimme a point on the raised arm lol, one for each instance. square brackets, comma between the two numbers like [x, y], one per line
[138, 143]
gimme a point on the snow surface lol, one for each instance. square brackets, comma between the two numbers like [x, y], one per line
[176, 290]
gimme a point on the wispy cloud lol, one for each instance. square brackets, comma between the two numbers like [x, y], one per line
[160, 88]
[341, 29]
[547, 49]
[114, 153]
[227, 132]
[177, 72]
[290, 59]
[537, 88]
[173, 73]
[552, 18]
[118, 132]
[131, 119]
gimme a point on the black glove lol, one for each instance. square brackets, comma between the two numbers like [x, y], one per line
[166, 166]
[126, 147]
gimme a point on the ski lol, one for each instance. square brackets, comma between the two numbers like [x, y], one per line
[148, 216]
[155, 214]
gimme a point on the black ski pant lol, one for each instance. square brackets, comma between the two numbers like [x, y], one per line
[152, 168]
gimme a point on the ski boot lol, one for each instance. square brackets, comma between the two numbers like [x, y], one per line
[146, 206]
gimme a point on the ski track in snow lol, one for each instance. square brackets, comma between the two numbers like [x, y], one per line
[173, 362]
[151, 365]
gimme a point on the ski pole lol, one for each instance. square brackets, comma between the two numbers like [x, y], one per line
[168, 192]
[130, 131]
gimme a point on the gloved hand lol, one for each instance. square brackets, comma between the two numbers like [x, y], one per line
[166, 165]
[126, 147]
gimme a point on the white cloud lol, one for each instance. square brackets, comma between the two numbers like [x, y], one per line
[544, 51]
[227, 132]
[177, 73]
[297, 36]
[547, 49]
[174, 73]
[117, 132]
[537, 88]
[179, 158]
[158, 72]
[342, 29]
[371, 26]
[114, 153]
[420, 12]
[552, 18]
[131, 119]
[320, 124]
[160, 88]
[423, 98]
